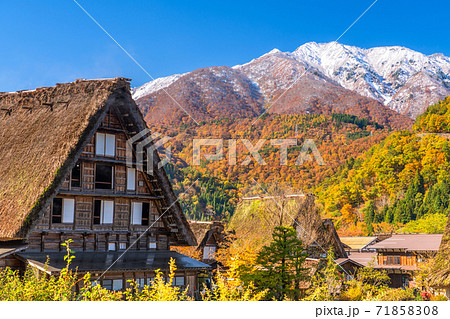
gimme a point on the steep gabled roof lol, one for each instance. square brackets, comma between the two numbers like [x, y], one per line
[199, 228]
[410, 242]
[42, 134]
[258, 216]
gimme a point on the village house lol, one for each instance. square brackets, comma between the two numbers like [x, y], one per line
[401, 254]
[209, 235]
[65, 173]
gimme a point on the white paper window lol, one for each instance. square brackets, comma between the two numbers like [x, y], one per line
[140, 282]
[208, 252]
[117, 284]
[131, 179]
[111, 246]
[136, 212]
[107, 211]
[107, 284]
[122, 246]
[179, 281]
[105, 144]
[152, 245]
[68, 210]
[100, 144]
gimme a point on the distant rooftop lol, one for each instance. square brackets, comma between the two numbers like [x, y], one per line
[357, 242]
[410, 242]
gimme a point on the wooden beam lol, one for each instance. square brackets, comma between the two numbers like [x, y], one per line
[71, 193]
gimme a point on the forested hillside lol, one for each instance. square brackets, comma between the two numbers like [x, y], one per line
[404, 178]
[220, 185]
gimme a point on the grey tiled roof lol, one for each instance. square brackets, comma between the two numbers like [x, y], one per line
[99, 261]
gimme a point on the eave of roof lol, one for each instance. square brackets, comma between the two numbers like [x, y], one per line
[99, 261]
[410, 242]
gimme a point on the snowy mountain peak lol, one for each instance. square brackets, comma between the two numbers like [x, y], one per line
[273, 51]
[155, 85]
[405, 80]
[381, 72]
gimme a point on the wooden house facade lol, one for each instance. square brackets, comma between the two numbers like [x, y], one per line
[401, 254]
[69, 171]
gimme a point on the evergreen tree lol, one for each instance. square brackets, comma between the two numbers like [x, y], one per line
[380, 217]
[410, 204]
[369, 215]
[279, 266]
[389, 214]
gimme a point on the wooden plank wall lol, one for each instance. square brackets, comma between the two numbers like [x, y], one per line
[120, 180]
[404, 260]
[88, 176]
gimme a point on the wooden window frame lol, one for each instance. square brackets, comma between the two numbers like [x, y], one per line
[99, 183]
[131, 169]
[389, 260]
[80, 180]
[99, 213]
[176, 278]
[141, 217]
[61, 214]
[105, 139]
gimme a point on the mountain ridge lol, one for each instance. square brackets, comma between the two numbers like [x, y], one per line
[320, 78]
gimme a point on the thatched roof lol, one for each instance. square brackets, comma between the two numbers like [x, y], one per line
[199, 228]
[204, 231]
[317, 232]
[42, 134]
[257, 218]
[440, 273]
[358, 243]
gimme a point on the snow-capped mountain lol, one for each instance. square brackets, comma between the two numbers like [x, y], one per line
[328, 77]
[155, 85]
[405, 80]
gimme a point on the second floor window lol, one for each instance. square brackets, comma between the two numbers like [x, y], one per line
[76, 175]
[103, 176]
[103, 212]
[131, 179]
[140, 213]
[105, 144]
[393, 260]
[63, 210]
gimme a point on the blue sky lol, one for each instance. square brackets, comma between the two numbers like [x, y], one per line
[50, 41]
